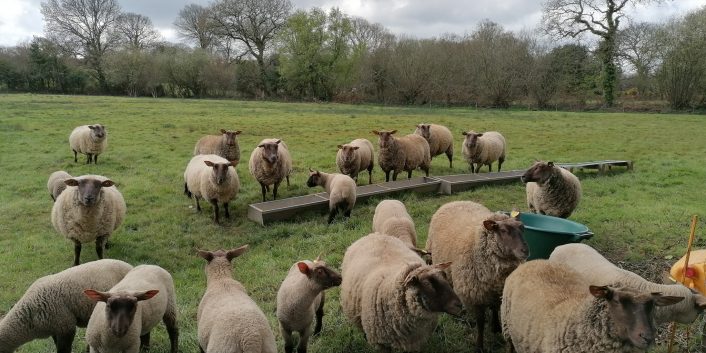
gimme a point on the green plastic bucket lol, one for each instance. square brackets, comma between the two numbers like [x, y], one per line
[544, 233]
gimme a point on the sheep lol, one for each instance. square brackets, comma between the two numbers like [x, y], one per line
[224, 145]
[90, 209]
[124, 316]
[56, 184]
[90, 140]
[439, 138]
[341, 191]
[392, 295]
[391, 218]
[548, 307]
[485, 247]
[54, 305]
[483, 149]
[212, 178]
[269, 163]
[405, 153]
[356, 156]
[597, 269]
[229, 321]
[551, 190]
[301, 297]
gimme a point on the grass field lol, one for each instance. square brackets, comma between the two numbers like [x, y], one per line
[638, 217]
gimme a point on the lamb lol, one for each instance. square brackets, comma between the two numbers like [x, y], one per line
[229, 321]
[392, 295]
[551, 190]
[54, 305]
[484, 248]
[56, 184]
[341, 191]
[483, 149]
[124, 316]
[439, 138]
[90, 140]
[548, 307]
[212, 178]
[300, 297]
[597, 269]
[269, 163]
[354, 157]
[225, 145]
[90, 209]
[391, 218]
[405, 153]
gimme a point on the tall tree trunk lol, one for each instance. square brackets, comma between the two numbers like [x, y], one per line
[606, 52]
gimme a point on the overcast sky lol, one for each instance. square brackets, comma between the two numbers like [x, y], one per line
[21, 19]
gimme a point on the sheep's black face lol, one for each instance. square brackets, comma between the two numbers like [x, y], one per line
[434, 290]
[270, 152]
[539, 172]
[230, 136]
[471, 140]
[325, 276]
[314, 179]
[509, 232]
[424, 130]
[89, 189]
[385, 138]
[120, 312]
[97, 131]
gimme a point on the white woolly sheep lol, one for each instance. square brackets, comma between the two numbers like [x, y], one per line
[225, 145]
[90, 209]
[354, 157]
[391, 218]
[124, 316]
[56, 184]
[90, 140]
[483, 149]
[548, 307]
[212, 178]
[269, 164]
[484, 248]
[54, 305]
[341, 191]
[597, 269]
[301, 297]
[229, 321]
[392, 295]
[551, 190]
[404, 153]
[439, 138]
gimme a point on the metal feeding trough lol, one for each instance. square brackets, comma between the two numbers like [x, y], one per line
[462, 182]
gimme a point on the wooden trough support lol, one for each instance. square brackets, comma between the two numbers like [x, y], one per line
[602, 166]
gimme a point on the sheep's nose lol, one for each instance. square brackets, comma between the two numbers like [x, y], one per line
[648, 337]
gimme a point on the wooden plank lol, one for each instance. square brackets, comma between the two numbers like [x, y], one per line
[462, 182]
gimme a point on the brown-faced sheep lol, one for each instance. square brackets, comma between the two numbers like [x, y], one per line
[548, 307]
[356, 156]
[439, 138]
[404, 153]
[391, 218]
[483, 149]
[551, 190]
[212, 178]
[225, 145]
[90, 140]
[484, 248]
[341, 191]
[269, 164]
[56, 184]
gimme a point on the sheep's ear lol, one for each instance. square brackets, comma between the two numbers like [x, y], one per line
[479, 135]
[278, 141]
[699, 301]
[91, 127]
[411, 280]
[375, 132]
[233, 253]
[107, 183]
[664, 300]
[443, 265]
[311, 170]
[238, 132]
[340, 146]
[223, 131]
[71, 182]
[393, 132]
[146, 294]
[318, 258]
[601, 292]
[551, 164]
[96, 295]
[207, 255]
[489, 224]
[464, 133]
[356, 147]
[303, 268]
[208, 163]
[260, 146]
[419, 126]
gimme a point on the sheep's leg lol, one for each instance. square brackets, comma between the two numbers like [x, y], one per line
[287, 180]
[490, 167]
[186, 191]
[478, 165]
[480, 325]
[170, 322]
[394, 175]
[304, 339]
[426, 170]
[88, 158]
[77, 252]
[288, 341]
[320, 314]
[409, 174]
[198, 205]
[63, 342]
[387, 175]
[95, 159]
[332, 214]
[450, 156]
[100, 245]
[370, 174]
[495, 322]
[500, 162]
[75, 156]
[264, 192]
[470, 167]
[214, 202]
[225, 209]
[274, 190]
[145, 341]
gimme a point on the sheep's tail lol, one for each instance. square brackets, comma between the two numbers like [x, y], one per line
[186, 191]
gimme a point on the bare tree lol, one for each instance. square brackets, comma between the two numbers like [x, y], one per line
[136, 31]
[195, 24]
[254, 23]
[368, 35]
[602, 18]
[84, 27]
[639, 47]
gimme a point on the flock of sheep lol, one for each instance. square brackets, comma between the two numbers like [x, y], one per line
[474, 259]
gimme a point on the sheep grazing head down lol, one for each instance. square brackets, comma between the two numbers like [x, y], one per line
[229, 136]
[540, 172]
[384, 137]
[433, 289]
[348, 152]
[508, 232]
[219, 170]
[424, 130]
[314, 178]
[120, 307]
[89, 189]
[270, 151]
[320, 273]
[631, 312]
[97, 131]
[471, 139]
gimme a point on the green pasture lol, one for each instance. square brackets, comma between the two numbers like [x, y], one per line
[639, 217]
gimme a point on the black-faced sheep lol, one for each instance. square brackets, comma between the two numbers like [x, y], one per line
[484, 248]
[90, 209]
[355, 157]
[439, 138]
[551, 190]
[212, 178]
[56, 184]
[404, 153]
[548, 307]
[341, 191]
[224, 145]
[269, 164]
[90, 140]
[483, 149]
[391, 218]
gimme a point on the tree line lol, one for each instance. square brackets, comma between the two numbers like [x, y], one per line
[264, 49]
